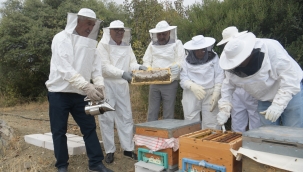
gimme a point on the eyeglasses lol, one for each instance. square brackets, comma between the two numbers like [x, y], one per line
[119, 30]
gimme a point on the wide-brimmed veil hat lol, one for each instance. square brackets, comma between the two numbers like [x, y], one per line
[162, 26]
[199, 42]
[228, 33]
[237, 50]
[86, 12]
[116, 24]
[72, 21]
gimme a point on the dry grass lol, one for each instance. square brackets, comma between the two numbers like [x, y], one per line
[18, 156]
[139, 103]
[33, 106]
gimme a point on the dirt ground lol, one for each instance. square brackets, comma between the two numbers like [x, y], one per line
[20, 156]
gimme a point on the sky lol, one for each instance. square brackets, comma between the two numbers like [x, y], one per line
[185, 2]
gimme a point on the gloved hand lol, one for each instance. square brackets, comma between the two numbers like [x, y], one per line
[214, 100]
[198, 90]
[215, 97]
[143, 68]
[91, 92]
[127, 76]
[273, 112]
[174, 69]
[101, 89]
[222, 118]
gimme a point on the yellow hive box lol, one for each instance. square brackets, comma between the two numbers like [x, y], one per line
[213, 146]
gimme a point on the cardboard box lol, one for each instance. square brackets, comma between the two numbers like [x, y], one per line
[212, 146]
[249, 165]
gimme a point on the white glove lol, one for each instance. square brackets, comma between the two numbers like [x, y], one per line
[273, 112]
[143, 68]
[214, 100]
[198, 90]
[222, 118]
[215, 97]
[175, 69]
[101, 89]
[92, 93]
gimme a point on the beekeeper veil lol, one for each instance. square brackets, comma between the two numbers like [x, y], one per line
[118, 27]
[163, 26]
[72, 20]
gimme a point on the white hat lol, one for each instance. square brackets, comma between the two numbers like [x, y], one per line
[162, 26]
[237, 50]
[116, 24]
[87, 13]
[199, 42]
[229, 33]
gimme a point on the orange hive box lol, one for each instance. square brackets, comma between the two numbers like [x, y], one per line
[213, 146]
[167, 128]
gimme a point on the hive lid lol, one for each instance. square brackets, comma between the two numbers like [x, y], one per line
[278, 133]
[167, 124]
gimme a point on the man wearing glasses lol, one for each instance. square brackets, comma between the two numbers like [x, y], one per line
[164, 51]
[118, 60]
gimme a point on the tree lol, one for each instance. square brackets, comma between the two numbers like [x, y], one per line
[26, 32]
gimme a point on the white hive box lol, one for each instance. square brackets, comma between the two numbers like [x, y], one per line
[142, 166]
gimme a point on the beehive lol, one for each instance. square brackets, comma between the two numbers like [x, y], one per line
[167, 128]
[213, 146]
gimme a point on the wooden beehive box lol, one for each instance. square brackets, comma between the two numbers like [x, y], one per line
[206, 145]
[167, 128]
[173, 157]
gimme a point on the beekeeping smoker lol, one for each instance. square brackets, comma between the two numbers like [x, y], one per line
[164, 51]
[118, 60]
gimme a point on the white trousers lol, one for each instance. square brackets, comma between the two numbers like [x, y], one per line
[192, 108]
[118, 95]
[244, 111]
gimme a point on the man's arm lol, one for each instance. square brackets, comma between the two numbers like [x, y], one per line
[148, 58]
[133, 61]
[108, 69]
[179, 53]
[97, 70]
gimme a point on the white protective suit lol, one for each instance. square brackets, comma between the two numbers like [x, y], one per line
[72, 53]
[277, 80]
[244, 111]
[207, 75]
[164, 56]
[115, 60]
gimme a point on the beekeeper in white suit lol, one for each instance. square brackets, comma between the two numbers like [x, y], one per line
[118, 60]
[164, 51]
[244, 107]
[201, 80]
[74, 63]
[264, 69]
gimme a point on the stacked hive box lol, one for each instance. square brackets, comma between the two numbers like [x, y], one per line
[280, 140]
[167, 128]
[213, 146]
